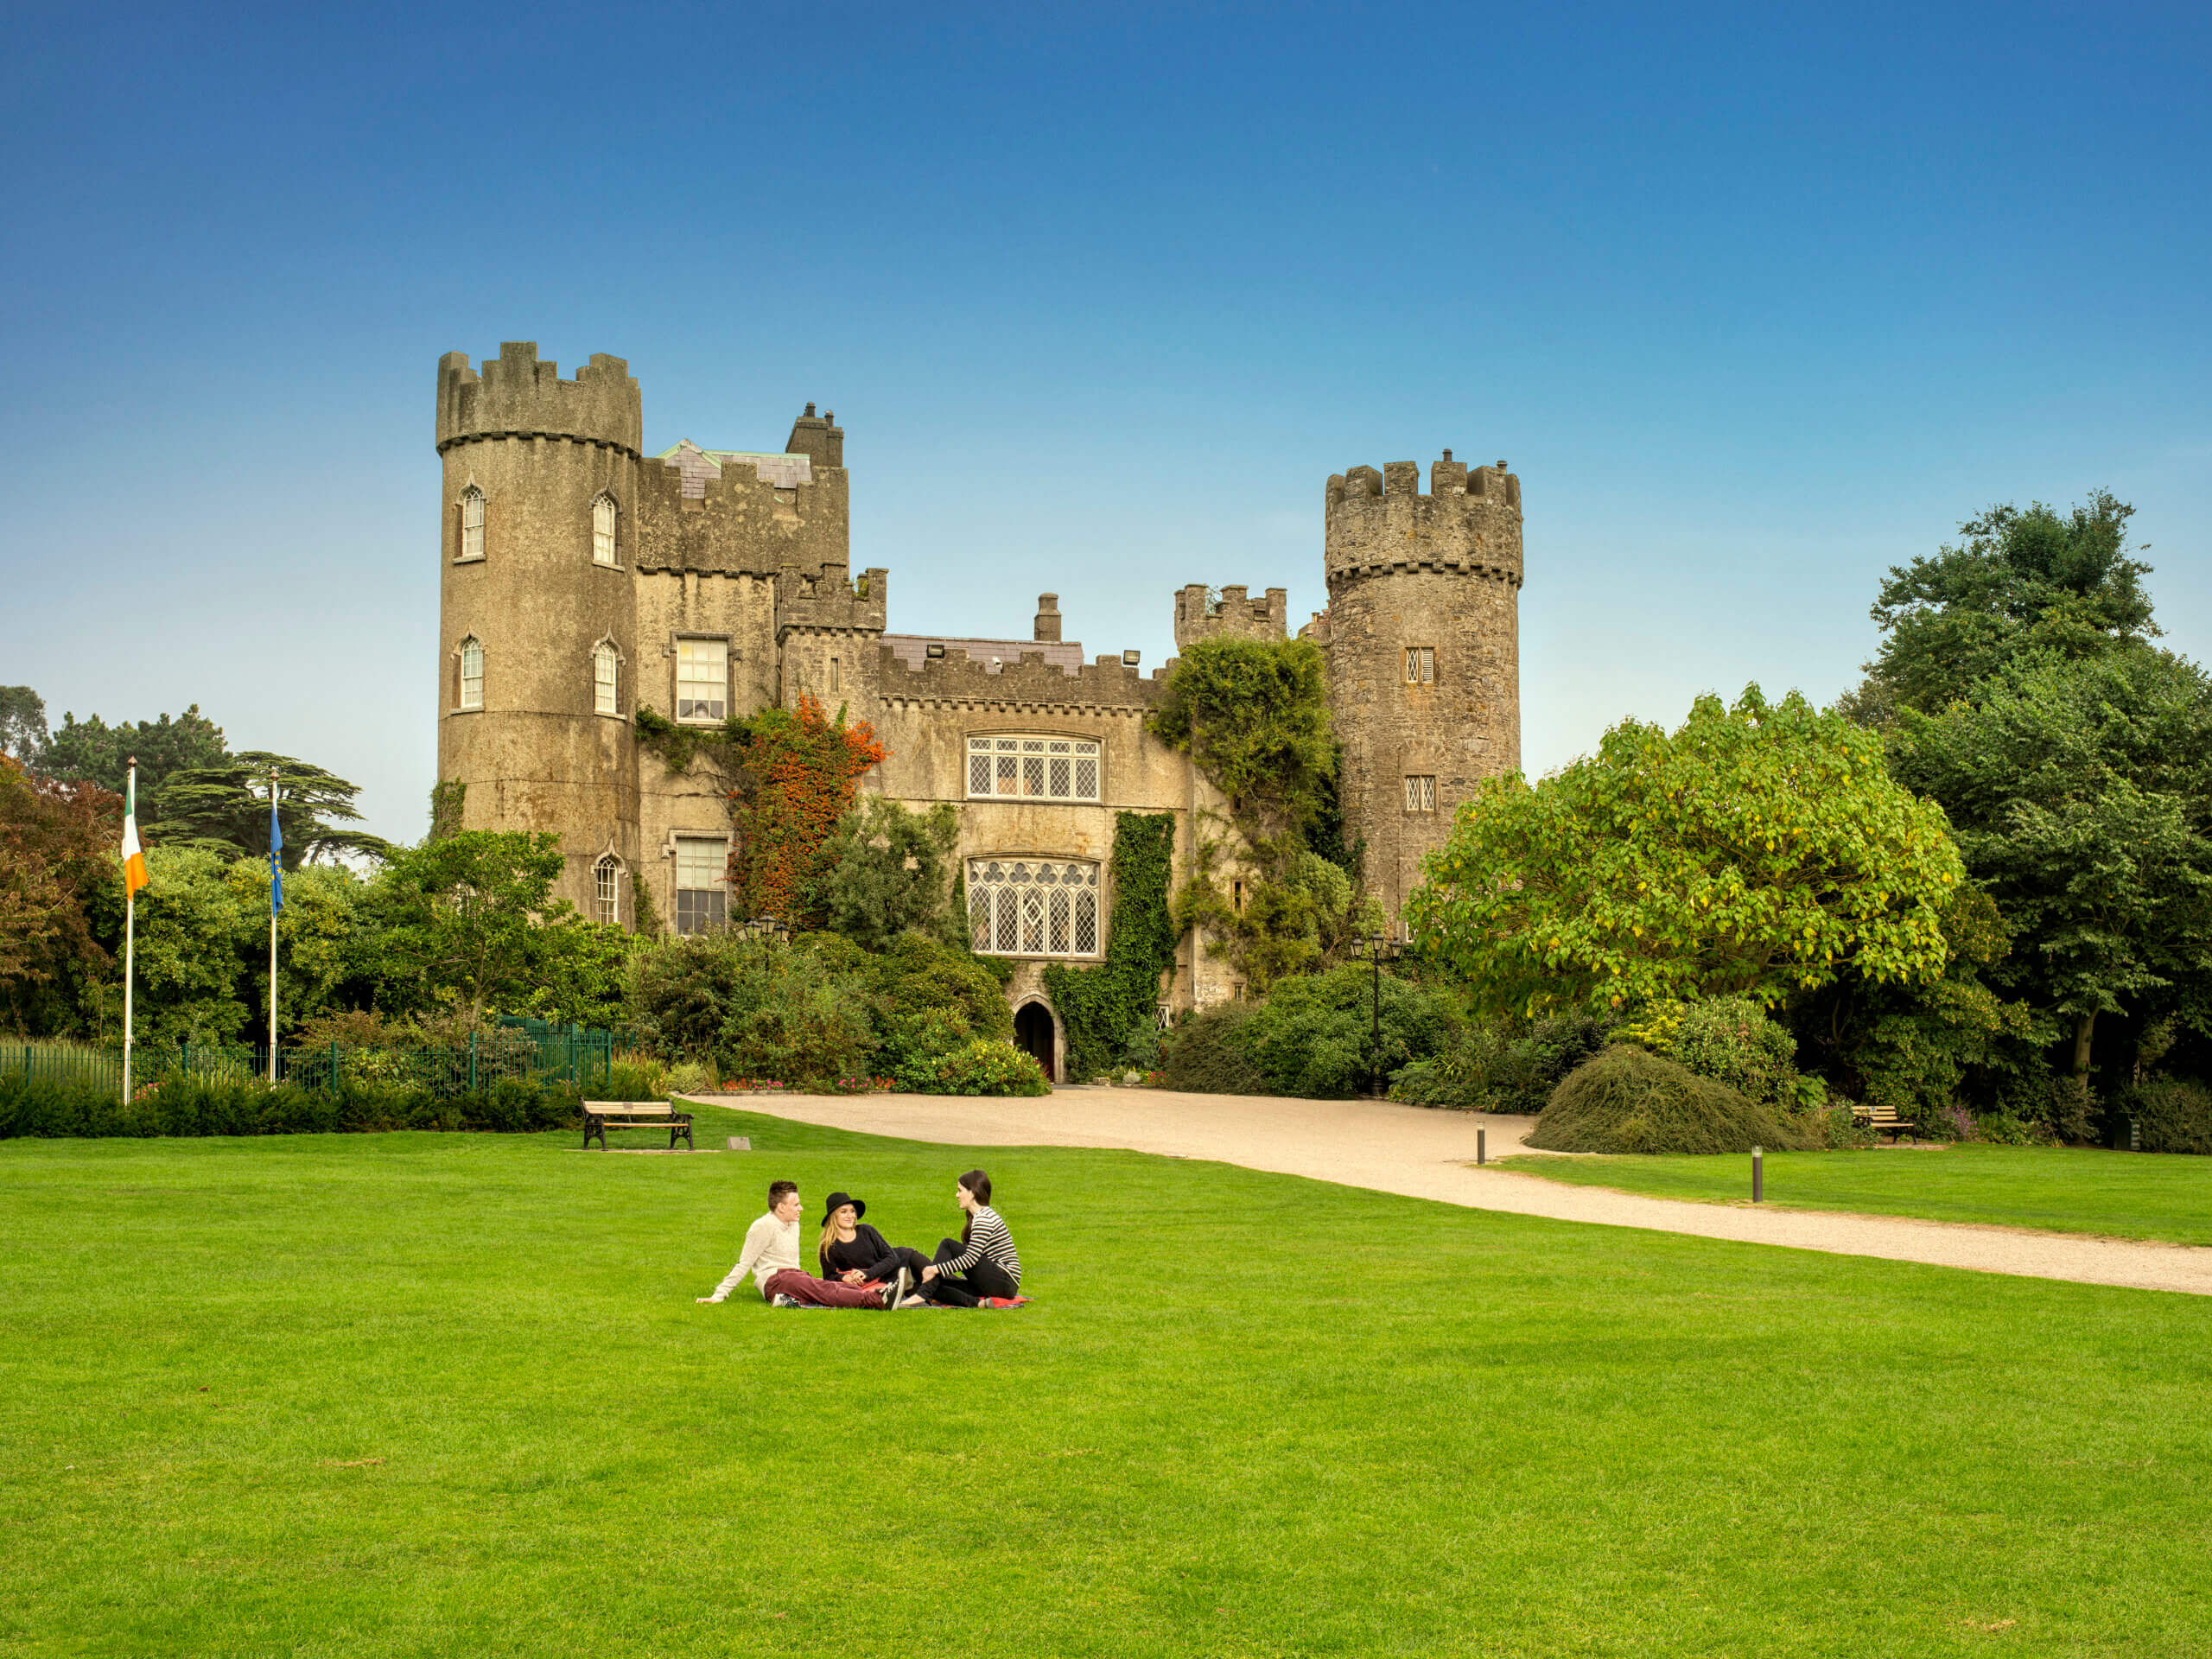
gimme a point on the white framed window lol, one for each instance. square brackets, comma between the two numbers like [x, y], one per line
[472, 522]
[702, 882]
[472, 672]
[607, 889]
[605, 678]
[1420, 665]
[602, 530]
[1421, 792]
[1033, 768]
[702, 680]
[1033, 907]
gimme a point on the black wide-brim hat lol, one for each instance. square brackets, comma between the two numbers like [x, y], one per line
[836, 1201]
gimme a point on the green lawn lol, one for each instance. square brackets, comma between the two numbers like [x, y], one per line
[2065, 1189]
[420, 1394]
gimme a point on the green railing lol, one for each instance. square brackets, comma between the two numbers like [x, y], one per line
[530, 1051]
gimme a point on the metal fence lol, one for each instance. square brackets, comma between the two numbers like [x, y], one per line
[530, 1050]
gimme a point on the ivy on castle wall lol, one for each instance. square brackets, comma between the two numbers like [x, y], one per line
[789, 775]
[1279, 895]
[1102, 1008]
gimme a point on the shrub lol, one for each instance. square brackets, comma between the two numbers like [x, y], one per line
[981, 1066]
[1206, 1054]
[175, 1105]
[1627, 1100]
[1731, 1040]
[1492, 1068]
[2172, 1114]
[756, 1009]
[1314, 1036]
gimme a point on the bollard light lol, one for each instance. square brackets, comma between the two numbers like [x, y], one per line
[1758, 1174]
[1481, 1144]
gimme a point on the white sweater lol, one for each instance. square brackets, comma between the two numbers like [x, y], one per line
[770, 1246]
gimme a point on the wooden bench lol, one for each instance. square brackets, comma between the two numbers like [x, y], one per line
[1883, 1118]
[601, 1115]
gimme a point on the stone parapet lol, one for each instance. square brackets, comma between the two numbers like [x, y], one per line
[1031, 683]
[516, 396]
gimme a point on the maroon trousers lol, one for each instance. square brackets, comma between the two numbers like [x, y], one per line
[820, 1292]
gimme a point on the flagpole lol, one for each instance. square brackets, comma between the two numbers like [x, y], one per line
[274, 900]
[130, 935]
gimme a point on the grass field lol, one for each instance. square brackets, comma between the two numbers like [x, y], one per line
[449, 1394]
[2063, 1189]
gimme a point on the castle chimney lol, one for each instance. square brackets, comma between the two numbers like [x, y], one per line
[1048, 619]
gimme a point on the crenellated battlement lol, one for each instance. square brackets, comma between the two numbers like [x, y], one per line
[516, 396]
[734, 512]
[830, 598]
[1031, 682]
[1202, 613]
[1467, 522]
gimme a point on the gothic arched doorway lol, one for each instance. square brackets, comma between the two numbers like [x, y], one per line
[1034, 1034]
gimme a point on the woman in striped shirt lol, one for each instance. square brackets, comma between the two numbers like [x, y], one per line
[983, 1262]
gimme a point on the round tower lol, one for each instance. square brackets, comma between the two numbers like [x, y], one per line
[1423, 640]
[538, 659]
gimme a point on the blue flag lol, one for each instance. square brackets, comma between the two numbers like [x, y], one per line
[276, 846]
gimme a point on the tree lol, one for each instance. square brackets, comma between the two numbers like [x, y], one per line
[224, 808]
[91, 750]
[468, 920]
[1760, 850]
[57, 850]
[22, 723]
[889, 871]
[2079, 789]
[196, 932]
[2021, 583]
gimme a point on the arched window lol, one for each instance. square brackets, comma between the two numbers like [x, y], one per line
[606, 667]
[1032, 907]
[602, 530]
[607, 889]
[472, 672]
[472, 522]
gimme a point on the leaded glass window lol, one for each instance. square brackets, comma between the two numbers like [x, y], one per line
[1032, 907]
[605, 890]
[1019, 767]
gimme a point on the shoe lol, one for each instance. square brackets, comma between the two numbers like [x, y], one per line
[781, 1301]
[894, 1291]
[915, 1302]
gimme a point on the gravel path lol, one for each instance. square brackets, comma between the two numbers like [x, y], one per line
[1430, 1155]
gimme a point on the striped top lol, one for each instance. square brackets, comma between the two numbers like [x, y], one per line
[988, 1241]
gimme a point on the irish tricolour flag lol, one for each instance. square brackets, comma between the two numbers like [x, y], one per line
[134, 857]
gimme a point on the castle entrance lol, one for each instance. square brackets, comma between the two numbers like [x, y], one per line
[1033, 1032]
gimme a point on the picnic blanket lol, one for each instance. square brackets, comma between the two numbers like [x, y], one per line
[987, 1302]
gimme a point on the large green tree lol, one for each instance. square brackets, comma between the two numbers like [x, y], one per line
[470, 924]
[1254, 715]
[2019, 582]
[94, 751]
[22, 723]
[2080, 789]
[889, 871]
[1760, 850]
[224, 808]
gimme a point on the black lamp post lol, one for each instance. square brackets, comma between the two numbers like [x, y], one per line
[766, 927]
[1378, 948]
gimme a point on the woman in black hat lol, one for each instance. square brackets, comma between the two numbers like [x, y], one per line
[856, 1253]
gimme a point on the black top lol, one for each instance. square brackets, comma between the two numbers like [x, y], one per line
[864, 1249]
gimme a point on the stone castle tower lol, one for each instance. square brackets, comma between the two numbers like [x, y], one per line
[583, 581]
[1422, 636]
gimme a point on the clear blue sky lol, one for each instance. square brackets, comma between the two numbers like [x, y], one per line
[1756, 302]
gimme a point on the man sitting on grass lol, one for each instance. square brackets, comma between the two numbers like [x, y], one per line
[770, 1256]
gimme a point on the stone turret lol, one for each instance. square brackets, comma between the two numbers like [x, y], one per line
[1422, 636]
[539, 542]
[1200, 613]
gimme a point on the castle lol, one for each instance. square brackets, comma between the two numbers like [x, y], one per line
[583, 580]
